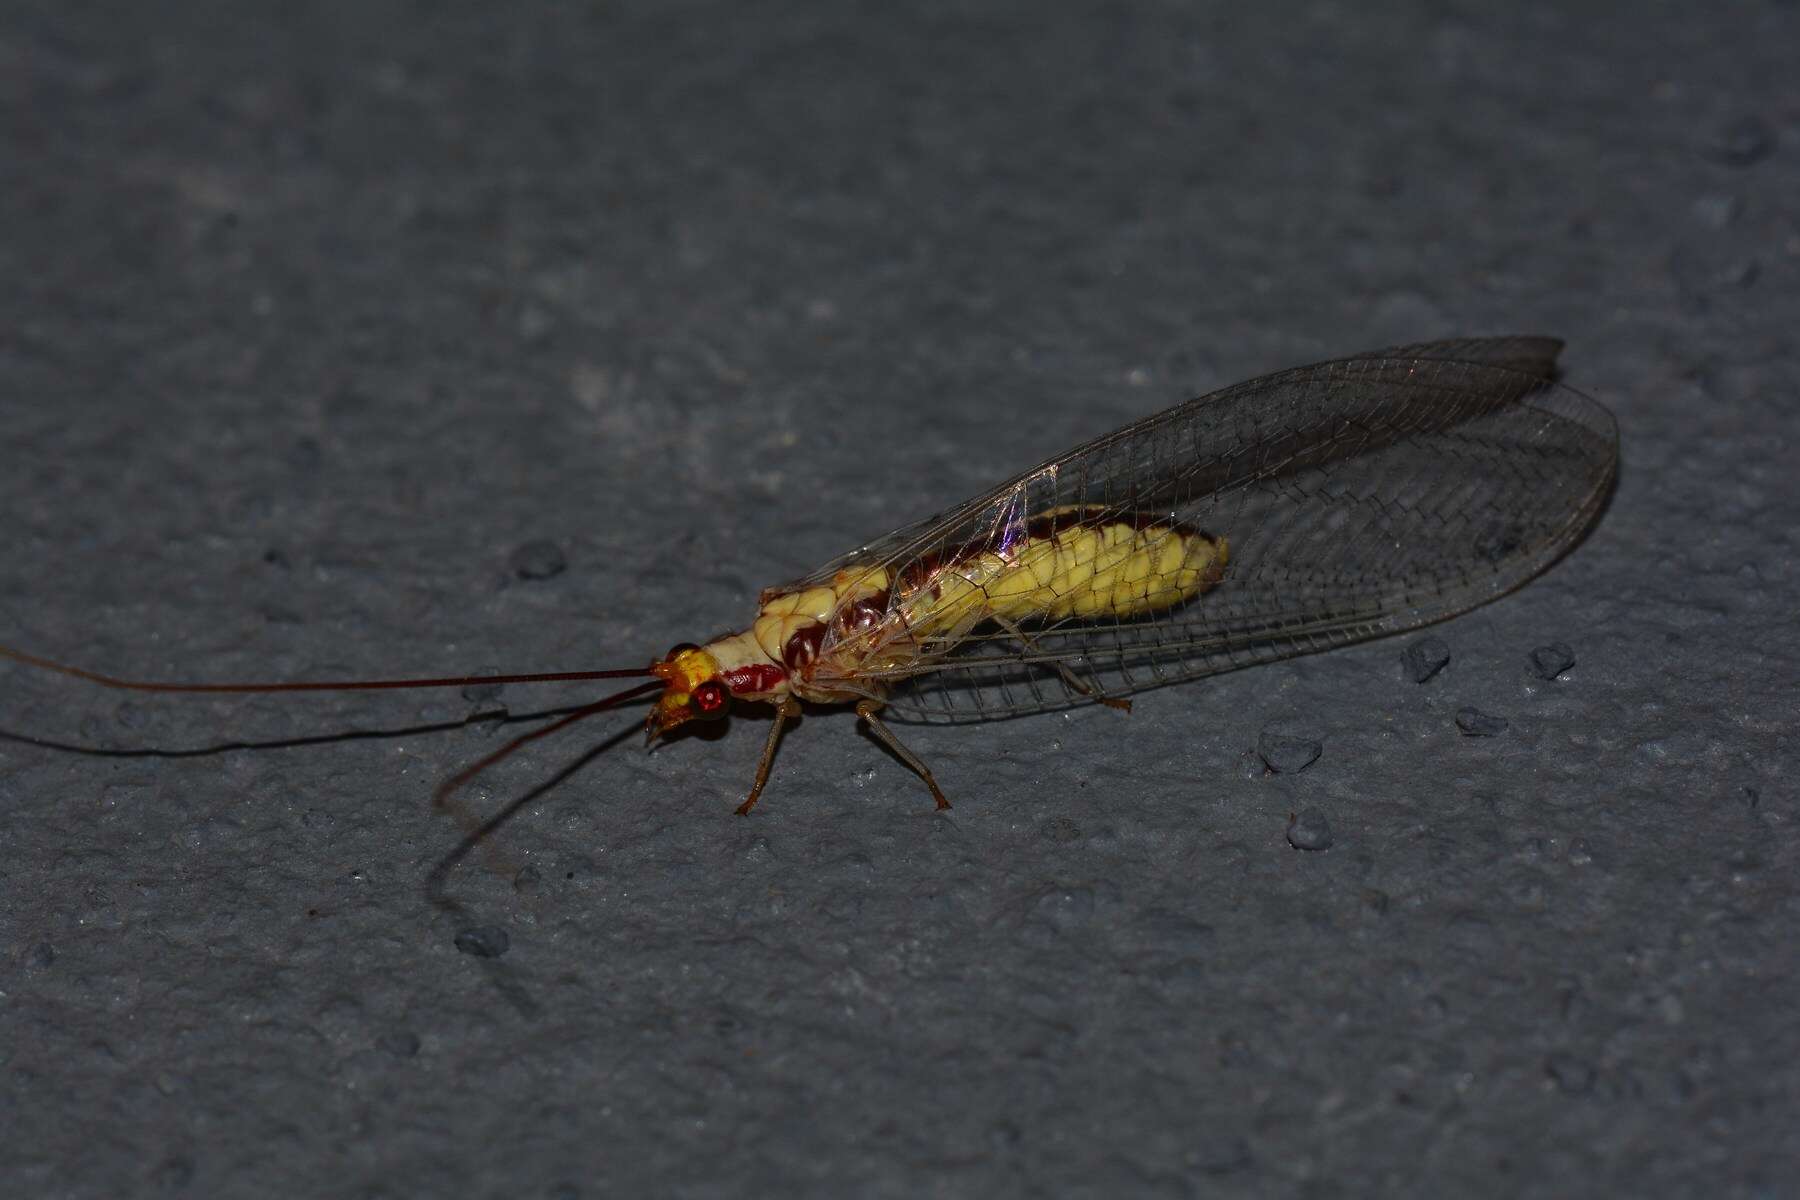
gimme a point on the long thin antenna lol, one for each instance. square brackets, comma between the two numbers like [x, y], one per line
[331, 685]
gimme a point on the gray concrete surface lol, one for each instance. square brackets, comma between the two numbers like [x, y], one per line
[317, 315]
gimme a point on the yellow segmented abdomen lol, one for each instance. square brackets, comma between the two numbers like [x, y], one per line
[1079, 568]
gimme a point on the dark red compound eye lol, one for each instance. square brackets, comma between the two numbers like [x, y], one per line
[710, 699]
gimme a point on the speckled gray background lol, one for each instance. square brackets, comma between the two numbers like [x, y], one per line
[317, 316]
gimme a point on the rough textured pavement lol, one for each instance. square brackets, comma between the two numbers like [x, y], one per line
[386, 337]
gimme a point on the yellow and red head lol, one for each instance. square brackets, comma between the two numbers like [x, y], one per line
[695, 691]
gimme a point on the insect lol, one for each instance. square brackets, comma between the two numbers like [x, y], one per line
[1296, 512]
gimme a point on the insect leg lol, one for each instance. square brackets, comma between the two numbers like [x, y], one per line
[785, 710]
[1061, 668]
[866, 709]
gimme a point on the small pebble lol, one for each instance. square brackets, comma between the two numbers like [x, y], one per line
[305, 455]
[1741, 142]
[484, 941]
[1475, 723]
[1573, 1076]
[1550, 661]
[1219, 1154]
[1738, 273]
[173, 1174]
[1498, 541]
[1718, 210]
[1702, 272]
[401, 1043]
[1425, 658]
[482, 693]
[1309, 831]
[1287, 755]
[1065, 908]
[1060, 830]
[538, 560]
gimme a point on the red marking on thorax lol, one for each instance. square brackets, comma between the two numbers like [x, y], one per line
[862, 614]
[803, 647]
[753, 679]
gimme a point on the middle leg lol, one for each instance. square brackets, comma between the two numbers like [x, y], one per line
[866, 709]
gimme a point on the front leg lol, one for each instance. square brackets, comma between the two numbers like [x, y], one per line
[786, 709]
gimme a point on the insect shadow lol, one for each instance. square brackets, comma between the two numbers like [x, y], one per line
[475, 834]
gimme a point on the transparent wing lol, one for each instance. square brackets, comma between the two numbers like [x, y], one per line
[1358, 497]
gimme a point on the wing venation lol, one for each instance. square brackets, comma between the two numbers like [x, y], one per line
[1358, 497]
